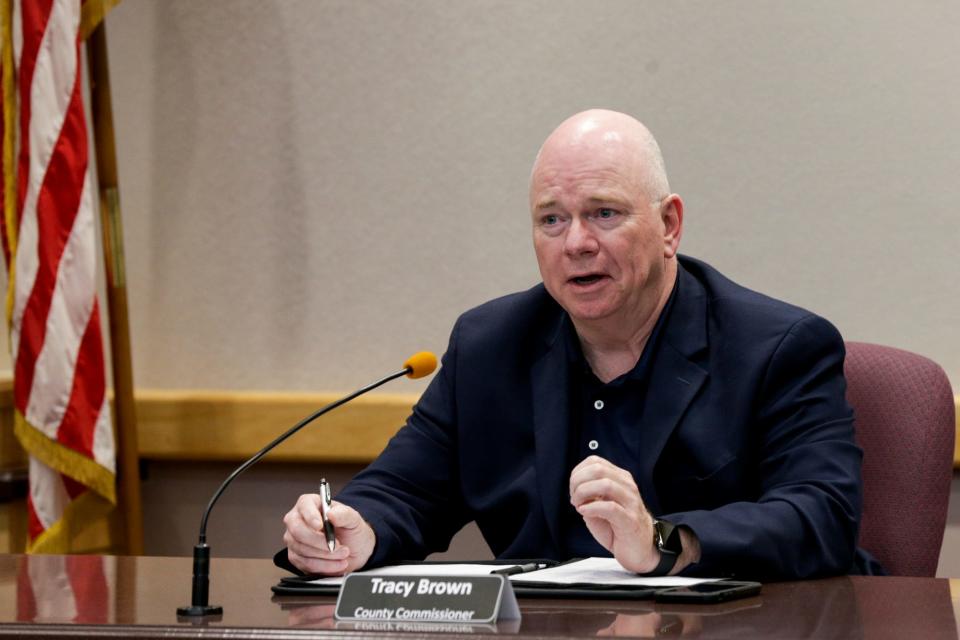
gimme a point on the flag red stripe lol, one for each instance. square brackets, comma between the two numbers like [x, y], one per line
[72, 487]
[86, 398]
[57, 206]
[35, 15]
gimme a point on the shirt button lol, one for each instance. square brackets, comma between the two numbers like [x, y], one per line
[593, 444]
[598, 404]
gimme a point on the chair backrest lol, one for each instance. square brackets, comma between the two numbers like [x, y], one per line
[905, 424]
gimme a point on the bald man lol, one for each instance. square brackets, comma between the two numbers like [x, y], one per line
[635, 404]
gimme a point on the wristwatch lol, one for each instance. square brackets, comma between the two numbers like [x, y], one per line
[666, 538]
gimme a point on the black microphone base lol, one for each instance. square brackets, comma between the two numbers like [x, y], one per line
[200, 594]
[200, 610]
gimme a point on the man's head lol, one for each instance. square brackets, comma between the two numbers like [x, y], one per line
[605, 226]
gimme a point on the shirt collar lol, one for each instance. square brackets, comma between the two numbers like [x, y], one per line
[579, 362]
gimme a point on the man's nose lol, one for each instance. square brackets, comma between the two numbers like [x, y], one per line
[580, 239]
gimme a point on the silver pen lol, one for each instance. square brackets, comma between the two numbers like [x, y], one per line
[324, 514]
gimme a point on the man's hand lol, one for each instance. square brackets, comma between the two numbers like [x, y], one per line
[610, 503]
[307, 545]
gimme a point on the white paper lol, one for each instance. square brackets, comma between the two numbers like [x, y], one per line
[591, 571]
[601, 571]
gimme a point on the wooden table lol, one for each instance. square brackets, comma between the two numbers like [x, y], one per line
[102, 596]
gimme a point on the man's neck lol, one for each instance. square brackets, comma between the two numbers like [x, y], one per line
[613, 346]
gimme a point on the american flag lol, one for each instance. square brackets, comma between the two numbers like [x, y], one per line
[59, 377]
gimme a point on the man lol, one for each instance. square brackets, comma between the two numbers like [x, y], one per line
[636, 403]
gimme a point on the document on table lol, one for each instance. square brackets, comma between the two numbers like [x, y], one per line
[599, 572]
[591, 572]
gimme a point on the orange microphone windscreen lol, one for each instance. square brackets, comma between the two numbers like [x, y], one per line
[420, 364]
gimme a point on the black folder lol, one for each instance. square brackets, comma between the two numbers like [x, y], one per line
[304, 585]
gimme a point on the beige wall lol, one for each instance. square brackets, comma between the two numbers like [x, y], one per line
[314, 189]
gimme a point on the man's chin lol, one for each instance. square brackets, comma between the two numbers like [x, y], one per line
[588, 312]
[585, 307]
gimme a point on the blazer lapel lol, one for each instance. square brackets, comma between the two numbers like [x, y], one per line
[675, 379]
[673, 385]
[550, 390]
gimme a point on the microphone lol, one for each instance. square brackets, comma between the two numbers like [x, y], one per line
[420, 364]
[417, 366]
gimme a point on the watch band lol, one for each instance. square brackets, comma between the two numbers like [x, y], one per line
[666, 537]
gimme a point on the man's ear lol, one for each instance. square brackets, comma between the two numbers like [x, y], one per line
[671, 213]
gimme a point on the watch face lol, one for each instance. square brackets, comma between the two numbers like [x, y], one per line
[667, 537]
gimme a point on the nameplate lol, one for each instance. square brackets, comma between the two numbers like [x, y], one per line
[450, 599]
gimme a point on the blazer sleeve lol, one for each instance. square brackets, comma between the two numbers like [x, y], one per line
[410, 495]
[805, 521]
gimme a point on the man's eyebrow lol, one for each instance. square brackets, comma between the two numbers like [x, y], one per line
[598, 199]
[608, 199]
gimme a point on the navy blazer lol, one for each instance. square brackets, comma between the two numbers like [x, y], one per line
[746, 436]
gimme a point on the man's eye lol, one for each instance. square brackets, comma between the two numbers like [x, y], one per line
[550, 220]
[606, 214]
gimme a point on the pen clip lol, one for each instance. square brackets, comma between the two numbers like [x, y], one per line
[324, 497]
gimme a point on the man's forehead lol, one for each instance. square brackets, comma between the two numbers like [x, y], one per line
[599, 177]
[575, 162]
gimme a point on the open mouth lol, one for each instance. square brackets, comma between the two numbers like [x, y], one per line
[587, 279]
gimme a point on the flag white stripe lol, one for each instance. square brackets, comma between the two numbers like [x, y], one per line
[67, 319]
[47, 493]
[104, 452]
[52, 85]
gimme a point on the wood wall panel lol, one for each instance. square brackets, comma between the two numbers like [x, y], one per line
[217, 425]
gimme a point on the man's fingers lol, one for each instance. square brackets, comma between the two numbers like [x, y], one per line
[606, 490]
[343, 517]
[310, 541]
[609, 501]
[308, 507]
[612, 512]
[306, 522]
[302, 532]
[317, 565]
[306, 539]
[595, 468]
[307, 550]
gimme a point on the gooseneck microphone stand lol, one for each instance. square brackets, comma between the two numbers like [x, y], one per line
[200, 598]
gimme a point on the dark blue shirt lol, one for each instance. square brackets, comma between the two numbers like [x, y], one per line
[605, 420]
